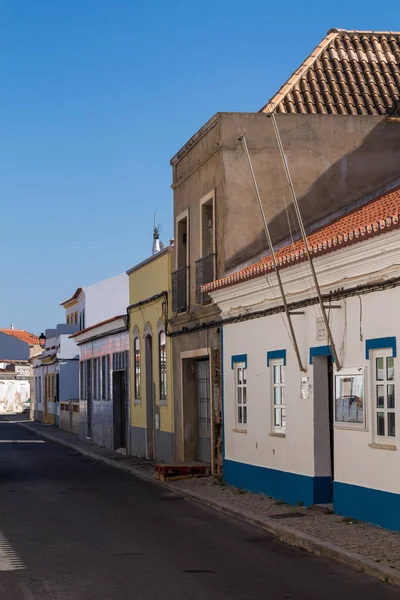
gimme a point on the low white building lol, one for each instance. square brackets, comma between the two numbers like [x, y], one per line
[95, 303]
[56, 376]
[14, 385]
[104, 383]
[323, 434]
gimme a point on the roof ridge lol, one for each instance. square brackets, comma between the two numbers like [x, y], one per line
[372, 31]
[298, 73]
[313, 88]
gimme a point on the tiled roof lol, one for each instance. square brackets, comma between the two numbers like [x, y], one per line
[348, 73]
[22, 335]
[376, 217]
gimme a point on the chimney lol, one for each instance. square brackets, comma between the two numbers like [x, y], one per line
[12, 326]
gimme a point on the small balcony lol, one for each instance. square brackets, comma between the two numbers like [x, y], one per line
[180, 281]
[205, 273]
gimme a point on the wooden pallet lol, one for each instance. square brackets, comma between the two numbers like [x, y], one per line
[162, 477]
[167, 472]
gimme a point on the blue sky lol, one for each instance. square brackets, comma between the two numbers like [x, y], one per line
[96, 97]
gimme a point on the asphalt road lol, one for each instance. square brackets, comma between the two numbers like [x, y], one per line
[72, 528]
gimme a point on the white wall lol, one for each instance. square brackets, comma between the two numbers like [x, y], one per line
[294, 453]
[106, 299]
[13, 394]
[356, 462]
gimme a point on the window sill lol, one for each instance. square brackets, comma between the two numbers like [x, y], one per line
[163, 403]
[376, 446]
[236, 430]
[277, 434]
[137, 402]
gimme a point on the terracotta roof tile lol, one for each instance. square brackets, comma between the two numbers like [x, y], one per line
[348, 73]
[378, 216]
[22, 335]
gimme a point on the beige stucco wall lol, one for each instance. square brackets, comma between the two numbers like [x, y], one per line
[334, 160]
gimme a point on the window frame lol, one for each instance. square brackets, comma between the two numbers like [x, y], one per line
[240, 399]
[105, 377]
[355, 371]
[280, 385]
[82, 381]
[384, 353]
[96, 369]
[162, 369]
[136, 371]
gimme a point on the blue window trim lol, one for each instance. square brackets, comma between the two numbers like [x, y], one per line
[321, 351]
[275, 355]
[239, 358]
[379, 344]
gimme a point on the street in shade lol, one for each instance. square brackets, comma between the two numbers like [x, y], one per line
[72, 529]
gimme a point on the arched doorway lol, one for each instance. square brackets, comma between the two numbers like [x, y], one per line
[148, 343]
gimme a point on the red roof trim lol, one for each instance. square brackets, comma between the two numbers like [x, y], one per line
[97, 325]
[74, 297]
[376, 217]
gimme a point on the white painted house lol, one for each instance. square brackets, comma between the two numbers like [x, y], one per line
[95, 303]
[56, 374]
[322, 434]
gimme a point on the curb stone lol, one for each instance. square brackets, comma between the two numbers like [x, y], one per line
[289, 535]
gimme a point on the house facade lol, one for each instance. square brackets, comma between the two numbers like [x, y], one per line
[330, 432]
[340, 149]
[104, 383]
[151, 371]
[16, 348]
[56, 377]
[95, 303]
[15, 384]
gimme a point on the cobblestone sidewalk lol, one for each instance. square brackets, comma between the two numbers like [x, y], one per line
[363, 546]
[378, 544]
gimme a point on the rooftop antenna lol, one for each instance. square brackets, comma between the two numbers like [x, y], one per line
[271, 115]
[242, 138]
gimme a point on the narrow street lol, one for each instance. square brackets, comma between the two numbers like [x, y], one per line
[74, 529]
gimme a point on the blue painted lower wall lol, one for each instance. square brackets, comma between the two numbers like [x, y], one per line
[290, 487]
[366, 504]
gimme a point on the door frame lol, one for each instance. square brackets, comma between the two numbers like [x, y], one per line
[196, 354]
[199, 360]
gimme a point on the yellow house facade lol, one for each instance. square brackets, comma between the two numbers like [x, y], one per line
[151, 384]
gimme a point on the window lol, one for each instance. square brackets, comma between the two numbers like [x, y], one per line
[180, 279]
[88, 379]
[241, 395]
[162, 366]
[136, 346]
[384, 394]
[207, 227]
[278, 396]
[96, 378]
[349, 398]
[82, 387]
[105, 377]
[120, 361]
